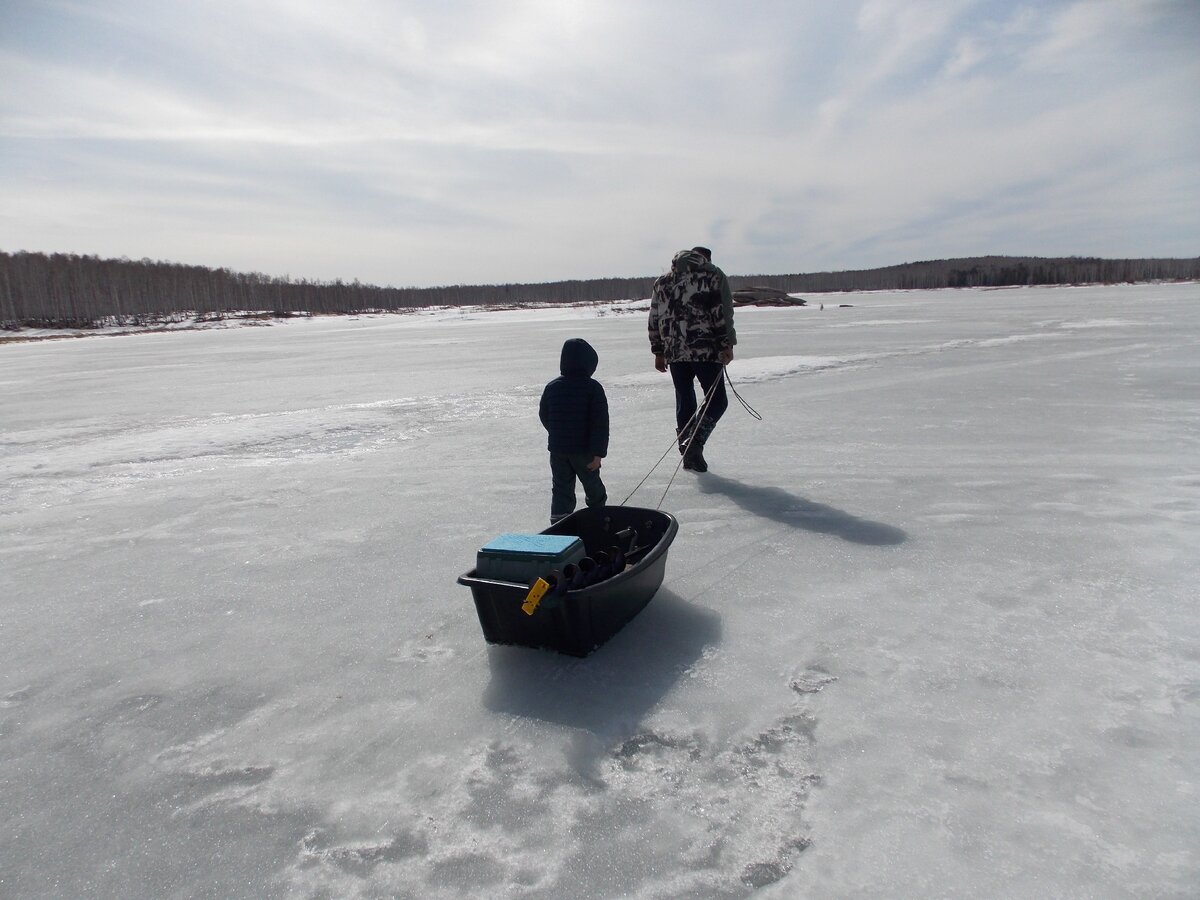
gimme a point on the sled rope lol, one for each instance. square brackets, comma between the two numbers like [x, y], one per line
[740, 399]
[697, 416]
[671, 446]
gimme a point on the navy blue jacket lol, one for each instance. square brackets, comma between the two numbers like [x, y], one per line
[574, 408]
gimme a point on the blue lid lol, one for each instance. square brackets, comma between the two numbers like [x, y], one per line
[550, 544]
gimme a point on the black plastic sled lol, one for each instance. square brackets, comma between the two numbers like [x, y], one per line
[577, 620]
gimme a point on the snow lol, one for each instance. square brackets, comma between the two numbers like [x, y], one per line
[928, 629]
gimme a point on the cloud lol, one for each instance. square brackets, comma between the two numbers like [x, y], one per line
[425, 143]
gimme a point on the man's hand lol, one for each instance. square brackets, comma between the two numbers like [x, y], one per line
[660, 362]
[726, 356]
[594, 464]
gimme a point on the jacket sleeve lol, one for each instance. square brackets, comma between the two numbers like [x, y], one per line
[544, 409]
[656, 344]
[718, 317]
[599, 421]
[727, 310]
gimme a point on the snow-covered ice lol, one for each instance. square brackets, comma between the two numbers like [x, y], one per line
[929, 629]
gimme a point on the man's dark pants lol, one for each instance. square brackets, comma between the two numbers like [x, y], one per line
[564, 469]
[683, 374]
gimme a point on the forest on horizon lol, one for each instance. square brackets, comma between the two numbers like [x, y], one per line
[60, 290]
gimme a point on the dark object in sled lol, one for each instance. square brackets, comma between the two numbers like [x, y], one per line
[578, 621]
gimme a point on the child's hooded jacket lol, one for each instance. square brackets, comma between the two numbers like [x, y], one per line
[574, 408]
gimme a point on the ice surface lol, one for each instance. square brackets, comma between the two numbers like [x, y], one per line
[928, 629]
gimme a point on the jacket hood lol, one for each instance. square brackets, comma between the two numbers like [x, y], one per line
[578, 358]
[688, 261]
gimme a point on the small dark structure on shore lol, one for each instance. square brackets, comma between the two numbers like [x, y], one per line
[765, 296]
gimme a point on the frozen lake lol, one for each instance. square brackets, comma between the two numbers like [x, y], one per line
[930, 628]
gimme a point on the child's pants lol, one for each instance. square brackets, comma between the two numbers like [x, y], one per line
[564, 469]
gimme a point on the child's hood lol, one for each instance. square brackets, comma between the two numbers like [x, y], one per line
[578, 358]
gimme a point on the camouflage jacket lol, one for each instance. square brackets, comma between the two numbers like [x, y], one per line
[691, 311]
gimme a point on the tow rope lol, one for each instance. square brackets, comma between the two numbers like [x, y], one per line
[697, 416]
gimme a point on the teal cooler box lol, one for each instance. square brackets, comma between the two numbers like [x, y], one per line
[516, 559]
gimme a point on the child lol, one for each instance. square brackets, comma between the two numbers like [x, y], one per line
[574, 410]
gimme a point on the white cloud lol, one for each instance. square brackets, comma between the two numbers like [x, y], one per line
[968, 54]
[576, 140]
[1082, 29]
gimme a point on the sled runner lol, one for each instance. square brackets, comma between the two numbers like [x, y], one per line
[584, 603]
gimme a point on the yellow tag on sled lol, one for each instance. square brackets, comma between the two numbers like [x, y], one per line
[535, 595]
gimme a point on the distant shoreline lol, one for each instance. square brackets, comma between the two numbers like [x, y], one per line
[193, 321]
[71, 292]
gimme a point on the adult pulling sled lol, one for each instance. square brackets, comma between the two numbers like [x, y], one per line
[586, 593]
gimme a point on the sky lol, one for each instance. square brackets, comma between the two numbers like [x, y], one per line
[422, 143]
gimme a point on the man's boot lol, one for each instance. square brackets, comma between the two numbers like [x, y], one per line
[683, 436]
[694, 457]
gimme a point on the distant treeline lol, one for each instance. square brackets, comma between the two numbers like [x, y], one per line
[65, 290]
[983, 271]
